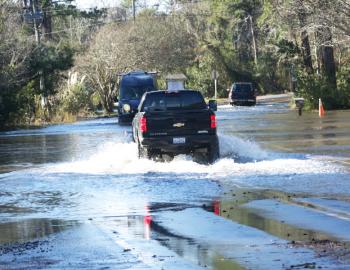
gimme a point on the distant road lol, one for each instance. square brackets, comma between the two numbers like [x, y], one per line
[286, 97]
[275, 98]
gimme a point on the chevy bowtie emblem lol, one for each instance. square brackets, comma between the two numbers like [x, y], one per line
[178, 125]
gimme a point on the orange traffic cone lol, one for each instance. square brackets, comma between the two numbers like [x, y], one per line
[320, 108]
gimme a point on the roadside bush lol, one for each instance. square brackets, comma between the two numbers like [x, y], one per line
[314, 86]
[200, 80]
[343, 83]
[20, 106]
[75, 98]
[96, 102]
[26, 104]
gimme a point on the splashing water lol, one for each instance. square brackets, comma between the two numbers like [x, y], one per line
[121, 158]
[242, 163]
[234, 147]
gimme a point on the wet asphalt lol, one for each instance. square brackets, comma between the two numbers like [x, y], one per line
[76, 197]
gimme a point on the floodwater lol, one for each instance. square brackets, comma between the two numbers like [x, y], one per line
[76, 196]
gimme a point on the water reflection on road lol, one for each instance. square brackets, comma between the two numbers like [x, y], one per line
[285, 130]
[83, 182]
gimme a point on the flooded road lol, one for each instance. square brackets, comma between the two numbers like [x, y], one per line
[76, 196]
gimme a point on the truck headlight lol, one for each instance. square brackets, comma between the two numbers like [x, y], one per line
[126, 108]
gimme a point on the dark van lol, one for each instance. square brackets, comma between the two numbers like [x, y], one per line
[242, 93]
[132, 87]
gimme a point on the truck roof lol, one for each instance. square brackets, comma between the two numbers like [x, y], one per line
[137, 78]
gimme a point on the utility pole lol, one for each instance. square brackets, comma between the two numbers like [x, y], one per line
[134, 10]
[71, 30]
[253, 40]
[35, 23]
[214, 76]
[173, 6]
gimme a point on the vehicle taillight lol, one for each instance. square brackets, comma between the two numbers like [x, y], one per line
[212, 121]
[143, 124]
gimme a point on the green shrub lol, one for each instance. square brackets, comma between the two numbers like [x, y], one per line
[343, 83]
[199, 78]
[74, 99]
[95, 100]
[315, 86]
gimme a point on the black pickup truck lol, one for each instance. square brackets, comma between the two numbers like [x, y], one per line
[176, 122]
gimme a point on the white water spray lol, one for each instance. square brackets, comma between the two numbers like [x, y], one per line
[121, 158]
[235, 147]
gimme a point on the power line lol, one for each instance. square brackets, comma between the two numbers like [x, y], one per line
[102, 23]
[13, 10]
[75, 8]
[67, 30]
[75, 28]
[202, 14]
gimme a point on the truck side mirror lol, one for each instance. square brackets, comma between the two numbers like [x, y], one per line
[213, 105]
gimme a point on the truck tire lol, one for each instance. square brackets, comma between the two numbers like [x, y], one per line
[121, 121]
[143, 152]
[213, 152]
[133, 132]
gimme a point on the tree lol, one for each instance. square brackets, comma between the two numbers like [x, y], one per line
[152, 43]
[23, 60]
[15, 52]
[318, 26]
[227, 31]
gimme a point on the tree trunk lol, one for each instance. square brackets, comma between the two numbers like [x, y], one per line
[328, 62]
[255, 52]
[47, 21]
[306, 51]
[106, 104]
[305, 43]
[106, 100]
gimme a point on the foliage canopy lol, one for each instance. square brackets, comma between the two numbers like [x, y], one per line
[298, 45]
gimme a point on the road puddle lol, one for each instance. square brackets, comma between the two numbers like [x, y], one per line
[318, 224]
[234, 209]
[233, 240]
[29, 230]
[146, 235]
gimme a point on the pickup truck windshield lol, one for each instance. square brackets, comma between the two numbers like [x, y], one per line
[180, 100]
